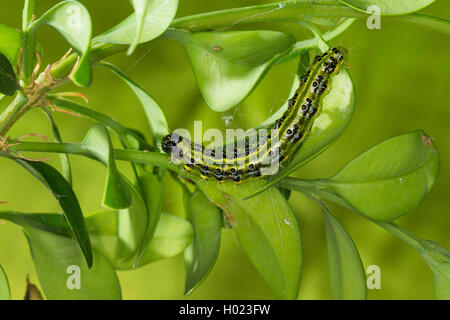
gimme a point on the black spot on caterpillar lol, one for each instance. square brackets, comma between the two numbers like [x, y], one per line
[254, 159]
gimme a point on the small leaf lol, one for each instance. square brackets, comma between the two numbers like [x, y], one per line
[202, 254]
[155, 115]
[158, 16]
[10, 43]
[140, 9]
[267, 231]
[228, 65]
[99, 282]
[5, 293]
[438, 258]
[66, 198]
[98, 143]
[8, 80]
[65, 162]
[127, 136]
[389, 7]
[151, 189]
[390, 179]
[118, 235]
[59, 263]
[347, 276]
[72, 20]
[171, 237]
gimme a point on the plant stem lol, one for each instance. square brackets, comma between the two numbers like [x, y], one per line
[151, 158]
[289, 11]
[12, 113]
[29, 9]
[402, 234]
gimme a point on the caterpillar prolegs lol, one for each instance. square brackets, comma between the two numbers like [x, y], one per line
[257, 157]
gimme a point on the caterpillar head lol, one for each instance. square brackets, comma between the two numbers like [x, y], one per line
[169, 142]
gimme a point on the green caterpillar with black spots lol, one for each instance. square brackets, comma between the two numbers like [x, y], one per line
[253, 158]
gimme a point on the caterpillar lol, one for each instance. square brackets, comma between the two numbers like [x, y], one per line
[254, 158]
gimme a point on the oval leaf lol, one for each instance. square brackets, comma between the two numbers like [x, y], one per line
[118, 234]
[228, 65]
[65, 161]
[5, 293]
[389, 7]
[67, 276]
[8, 80]
[158, 16]
[72, 20]
[267, 231]
[391, 178]
[98, 143]
[347, 276]
[151, 189]
[171, 237]
[155, 115]
[59, 277]
[10, 43]
[202, 254]
[66, 198]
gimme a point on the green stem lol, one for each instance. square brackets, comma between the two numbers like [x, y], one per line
[288, 11]
[293, 11]
[12, 113]
[29, 9]
[402, 234]
[151, 158]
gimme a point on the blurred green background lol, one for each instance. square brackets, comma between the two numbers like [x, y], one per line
[401, 78]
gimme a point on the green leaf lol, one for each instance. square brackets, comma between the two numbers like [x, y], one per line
[155, 115]
[72, 20]
[64, 157]
[127, 136]
[10, 43]
[98, 143]
[8, 80]
[66, 198]
[389, 179]
[267, 231]
[140, 9]
[151, 190]
[98, 282]
[228, 65]
[347, 276]
[158, 16]
[202, 254]
[337, 112]
[171, 237]
[118, 234]
[389, 7]
[438, 258]
[5, 293]
[57, 260]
